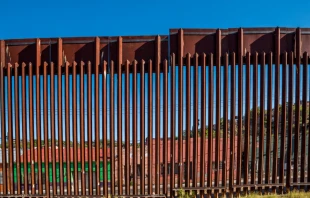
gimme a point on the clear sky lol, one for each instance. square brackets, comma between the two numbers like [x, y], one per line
[32, 19]
[67, 18]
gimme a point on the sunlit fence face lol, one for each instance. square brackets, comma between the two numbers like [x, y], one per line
[207, 111]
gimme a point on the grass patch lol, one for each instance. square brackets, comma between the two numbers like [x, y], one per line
[182, 194]
[292, 194]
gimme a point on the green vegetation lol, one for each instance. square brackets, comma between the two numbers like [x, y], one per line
[192, 132]
[182, 194]
[292, 194]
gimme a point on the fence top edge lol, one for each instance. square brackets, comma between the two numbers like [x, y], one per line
[186, 31]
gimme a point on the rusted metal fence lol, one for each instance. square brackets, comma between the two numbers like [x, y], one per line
[204, 110]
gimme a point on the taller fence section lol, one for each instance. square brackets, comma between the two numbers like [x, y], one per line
[207, 111]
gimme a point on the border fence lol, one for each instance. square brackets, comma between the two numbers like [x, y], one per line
[207, 111]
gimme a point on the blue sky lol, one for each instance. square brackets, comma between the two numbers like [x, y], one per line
[32, 19]
[67, 18]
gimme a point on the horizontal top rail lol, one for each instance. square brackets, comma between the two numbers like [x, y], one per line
[160, 47]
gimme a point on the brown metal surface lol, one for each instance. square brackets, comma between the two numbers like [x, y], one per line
[150, 128]
[82, 128]
[3, 133]
[297, 105]
[226, 120]
[254, 118]
[119, 118]
[240, 104]
[10, 131]
[142, 125]
[195, 122]
[304, 115]
[276, 108]
[17, 131]
[104, 125]
[262, 119]
[52, 102]
[157, 116]
[180, 105]
[210, 123]
[74, 126]
[247, 118]
[46, 143]
[97, 138]
[127, 132]
[308, 170]
[290, 119]
[188, 119]
[24, 196]
[269, 120]
[167, 150]
[165, 123]
[89, 129]
[173, 122]
[232, 122]
[38, 113]
[33, 187]
[67, 128]
[134, 127]
[24, 121]
[218, 106]
[60, 132]
[112, 127]
[283, 117]
[143, 47]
